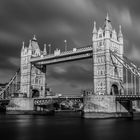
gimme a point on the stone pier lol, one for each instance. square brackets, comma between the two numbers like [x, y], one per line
[20, 104]
[104, 106]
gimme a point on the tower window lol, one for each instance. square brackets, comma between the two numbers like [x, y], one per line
[101, 72]
[100, 35]
[100, 43]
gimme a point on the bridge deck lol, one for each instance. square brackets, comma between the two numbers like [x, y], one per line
[50, 100]
[127, 97]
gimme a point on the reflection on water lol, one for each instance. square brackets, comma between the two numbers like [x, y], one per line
[66, 126]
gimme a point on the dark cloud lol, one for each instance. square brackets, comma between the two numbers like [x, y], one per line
[53, 21]
[74, 73]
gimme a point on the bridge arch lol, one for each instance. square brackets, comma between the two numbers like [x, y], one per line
[114, 89]
[35, 93]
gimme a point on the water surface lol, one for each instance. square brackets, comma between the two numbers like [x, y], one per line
[66, 126]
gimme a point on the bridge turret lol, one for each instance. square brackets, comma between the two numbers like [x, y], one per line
[35, 47]
[34, 38]
[120, 39]
[114, 35]
[30, 48]
[45, 50]
[107, 27]
[100, 33]
[23, 46]
[120, 35]
[94, 36]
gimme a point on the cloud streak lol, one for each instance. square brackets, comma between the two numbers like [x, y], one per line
[53, 21]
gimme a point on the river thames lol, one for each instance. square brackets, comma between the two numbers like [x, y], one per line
[66, 126]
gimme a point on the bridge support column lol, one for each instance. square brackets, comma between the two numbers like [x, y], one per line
[103, 106]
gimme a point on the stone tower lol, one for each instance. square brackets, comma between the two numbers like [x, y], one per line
[108, 74]
[32, 77]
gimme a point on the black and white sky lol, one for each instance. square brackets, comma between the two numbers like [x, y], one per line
[53, 21]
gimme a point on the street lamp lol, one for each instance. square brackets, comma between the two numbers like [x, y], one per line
[65, 41]
[49, 48]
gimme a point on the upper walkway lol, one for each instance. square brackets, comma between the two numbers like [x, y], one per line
[57, 57]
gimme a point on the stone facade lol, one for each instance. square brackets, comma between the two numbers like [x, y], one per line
[33, 78]
[107, 73]
[20, 104]
[104, 106]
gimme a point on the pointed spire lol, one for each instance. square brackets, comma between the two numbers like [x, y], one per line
[23, 45]
[114, 31]
[49, 45]
[120, 31]
[114, 35]
[34, 38]
[94, 28]
[30, 44]
[107, 17]
[107, 24]
[44, 51]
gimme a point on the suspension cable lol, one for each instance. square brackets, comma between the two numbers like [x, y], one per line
[134, 71]
[7, 87]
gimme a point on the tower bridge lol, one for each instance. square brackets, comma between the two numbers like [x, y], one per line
[115, 77]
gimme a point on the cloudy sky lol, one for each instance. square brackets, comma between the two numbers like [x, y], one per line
[53, 21]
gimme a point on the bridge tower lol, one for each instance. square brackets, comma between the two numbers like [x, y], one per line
[108, 75]
[32, 77]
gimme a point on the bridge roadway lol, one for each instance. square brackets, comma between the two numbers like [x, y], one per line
[50, 100]
[75, 54]
[127, 97]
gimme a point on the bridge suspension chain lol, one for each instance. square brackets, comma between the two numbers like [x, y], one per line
[12, 85]
[128, 65]
[134, 72]
[115, 66]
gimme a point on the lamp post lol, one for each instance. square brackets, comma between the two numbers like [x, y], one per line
[65, 41]
[49, 48]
